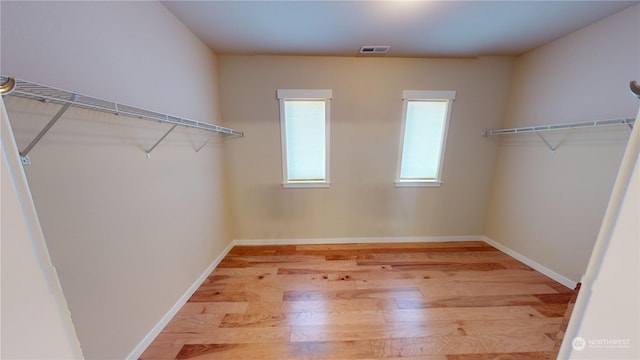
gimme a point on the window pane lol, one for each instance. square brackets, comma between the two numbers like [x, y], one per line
[423, 133]
[305, 139]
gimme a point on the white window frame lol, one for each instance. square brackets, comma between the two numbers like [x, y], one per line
[304, 94]
[424, 95]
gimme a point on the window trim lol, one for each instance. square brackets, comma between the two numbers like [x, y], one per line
[304, 94]
[424, 95]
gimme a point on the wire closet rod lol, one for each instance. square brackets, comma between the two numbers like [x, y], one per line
[634, 87]
[50, 94]
[520, 130]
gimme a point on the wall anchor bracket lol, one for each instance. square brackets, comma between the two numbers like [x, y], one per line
[25, 160]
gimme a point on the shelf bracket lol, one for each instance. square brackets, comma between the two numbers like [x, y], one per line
[553, 149]
[160, 140]
[24, 154]
[204, 144]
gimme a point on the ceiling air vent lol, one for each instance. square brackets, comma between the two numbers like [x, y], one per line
[374, 49]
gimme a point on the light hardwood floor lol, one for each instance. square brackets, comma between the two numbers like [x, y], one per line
[432, 301]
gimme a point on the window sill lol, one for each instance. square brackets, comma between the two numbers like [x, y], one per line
[306, 184]
[418, 183]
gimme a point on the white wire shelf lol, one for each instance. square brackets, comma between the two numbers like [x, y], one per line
[538, 129]
[528, 129]
[57, 96]
[635, 90]
[48, 94]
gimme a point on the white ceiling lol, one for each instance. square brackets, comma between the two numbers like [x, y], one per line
[411, 28]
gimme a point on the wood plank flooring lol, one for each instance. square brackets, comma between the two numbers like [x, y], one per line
[432, 301]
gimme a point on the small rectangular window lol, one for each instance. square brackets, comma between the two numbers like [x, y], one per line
[304, 123]
[425, 121]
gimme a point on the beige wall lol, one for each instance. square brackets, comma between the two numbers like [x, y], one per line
[549, 206]
[127, 235]
[365, 133]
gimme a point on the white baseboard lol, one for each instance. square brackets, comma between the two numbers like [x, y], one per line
[147, 340]
[537, 266]
[353, 240]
